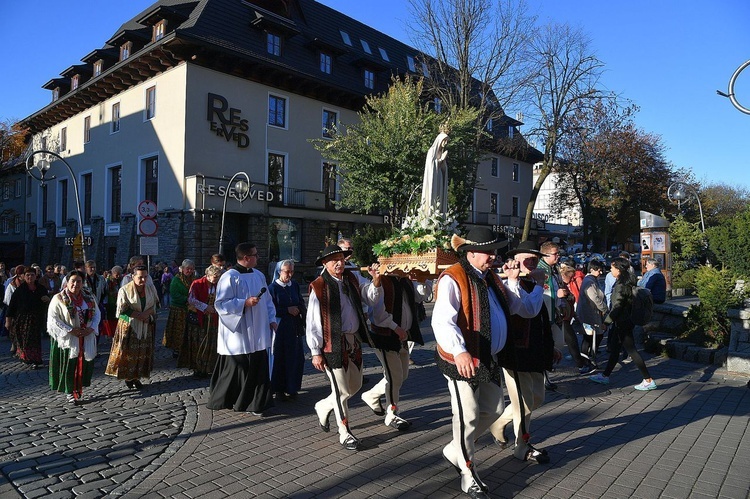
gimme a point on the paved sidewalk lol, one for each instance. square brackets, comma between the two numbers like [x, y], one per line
[686, 439]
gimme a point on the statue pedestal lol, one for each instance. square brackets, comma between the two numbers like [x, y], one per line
[421, 266]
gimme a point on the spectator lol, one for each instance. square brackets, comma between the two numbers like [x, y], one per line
[654, 281]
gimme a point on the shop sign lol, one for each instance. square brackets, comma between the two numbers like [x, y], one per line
[226, 122]
[221, 190]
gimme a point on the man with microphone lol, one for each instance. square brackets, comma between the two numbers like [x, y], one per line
[247, 318]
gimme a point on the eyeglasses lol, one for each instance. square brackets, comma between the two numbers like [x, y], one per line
[553, 254]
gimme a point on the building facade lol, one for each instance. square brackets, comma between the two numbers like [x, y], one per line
[187, 94]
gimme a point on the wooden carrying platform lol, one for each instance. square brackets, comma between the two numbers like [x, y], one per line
[420, 266]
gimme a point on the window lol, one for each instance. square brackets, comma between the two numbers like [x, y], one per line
[325, 63]
[345, 37]
[150, 102]
[55, 93]
[6, 191]
[411, 64]
[159, 29]
[329, 123]
[86, 129]
[45, 204]
[369, 79]
[98, 67]
[115, 117]
[383, 54]
[125, 49]
[87, 193]
[425, 70]
[17, 224]
[330, 185]
[151, 174]
[365, 46]
[115, 183]
[493, 203]
[64, 138]
[6, 225]
[273, 44]
[514, 209]
[494, 168]
[44, 143]
[277, 111]
[516, 172]
[437, 104]
[63, 197]
[276, 176]
[74, 81]
[19, 184]
[510, 131]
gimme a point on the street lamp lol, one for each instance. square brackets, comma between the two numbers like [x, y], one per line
[239, 192]
[679, 193]
[730, 94]
[44, 166]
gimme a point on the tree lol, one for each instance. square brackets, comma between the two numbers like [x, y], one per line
[12, 139]
[381, 158]
[721, 202]
[611, 169]
[475, 63]
[566, 79]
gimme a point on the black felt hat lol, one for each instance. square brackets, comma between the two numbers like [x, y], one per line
[332, 250]
[478, 239]
[525, 247]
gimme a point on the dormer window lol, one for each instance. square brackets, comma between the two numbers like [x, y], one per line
[369, 79]
[425, 70]
[365, 46]
[410, 62]
[345, 37]
[125, 50]
[160, 29]
[55, 93]
[98, 67]
[273, 44]
[74, 80]
[325, 62]
[510, 131]
[383, 54]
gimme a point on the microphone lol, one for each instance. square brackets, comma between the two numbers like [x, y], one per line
[262, 290]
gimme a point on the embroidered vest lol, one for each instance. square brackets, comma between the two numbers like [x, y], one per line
[394, 289]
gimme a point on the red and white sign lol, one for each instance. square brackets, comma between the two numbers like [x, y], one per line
[147, 209]
[148, 227]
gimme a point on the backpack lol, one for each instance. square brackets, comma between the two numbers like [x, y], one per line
[643, 306]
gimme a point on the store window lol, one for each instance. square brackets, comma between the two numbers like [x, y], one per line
[285, 238]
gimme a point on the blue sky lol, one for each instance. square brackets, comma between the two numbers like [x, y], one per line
[668, 56]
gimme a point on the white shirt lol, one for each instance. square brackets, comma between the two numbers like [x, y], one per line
[349, 322]
[448, 303]
[243, 330]
[381, 317]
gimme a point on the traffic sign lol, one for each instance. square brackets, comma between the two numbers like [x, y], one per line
[147, 209]
[148, 227]
[149, 246]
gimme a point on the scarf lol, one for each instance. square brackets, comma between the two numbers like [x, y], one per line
[128, 299]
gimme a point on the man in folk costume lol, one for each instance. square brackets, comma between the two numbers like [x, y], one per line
[241, 378]
[395, 322]
[336, 327]
[528, 353]
[470, 322]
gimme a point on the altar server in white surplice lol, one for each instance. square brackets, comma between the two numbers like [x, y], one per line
[247, 319]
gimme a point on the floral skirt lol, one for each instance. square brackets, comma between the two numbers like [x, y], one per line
[28, 337]
[175, 329]
[130, 357]
[62, 368]
[198, 349]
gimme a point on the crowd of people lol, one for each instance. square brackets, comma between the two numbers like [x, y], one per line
[496, 323]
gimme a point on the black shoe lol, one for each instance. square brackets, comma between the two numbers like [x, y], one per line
[281, 396]
[399, 424]
[538, 456]
[503, 442]
[327, 426]
[549, 385]
[129, 384]
[476, 492]
[291, 395]
[351, 443]
[137, 383]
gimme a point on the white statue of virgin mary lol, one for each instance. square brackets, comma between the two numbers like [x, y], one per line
[435, 182]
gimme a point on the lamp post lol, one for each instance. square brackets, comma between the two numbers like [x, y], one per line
[239, 192]
[44, 166]
[730, 93]
[679, 193]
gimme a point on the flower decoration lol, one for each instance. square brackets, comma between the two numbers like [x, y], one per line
[419, 233]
